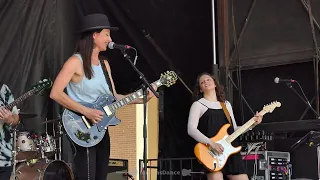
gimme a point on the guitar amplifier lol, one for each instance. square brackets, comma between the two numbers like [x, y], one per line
[268, 165]
[117, 169]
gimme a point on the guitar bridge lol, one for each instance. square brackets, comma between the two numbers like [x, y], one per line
[84, 119]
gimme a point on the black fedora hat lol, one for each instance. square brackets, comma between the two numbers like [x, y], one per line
[94, 22]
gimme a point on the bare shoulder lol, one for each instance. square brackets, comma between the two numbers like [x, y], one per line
[71, 70]
[73, 62]
[72, 66]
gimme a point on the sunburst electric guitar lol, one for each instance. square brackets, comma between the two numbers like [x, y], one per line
[85, 134]
[214, 161]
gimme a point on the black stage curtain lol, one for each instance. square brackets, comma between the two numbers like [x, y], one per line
[36, 39]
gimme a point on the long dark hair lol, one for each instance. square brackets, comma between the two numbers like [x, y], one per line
[85, 46]
[219, 89]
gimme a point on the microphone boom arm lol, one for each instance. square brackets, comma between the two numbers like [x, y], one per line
[141, 76]
[305, 101]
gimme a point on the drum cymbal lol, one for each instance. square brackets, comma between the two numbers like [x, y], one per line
[24, 115]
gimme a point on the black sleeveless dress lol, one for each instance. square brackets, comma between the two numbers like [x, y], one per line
[209, 124]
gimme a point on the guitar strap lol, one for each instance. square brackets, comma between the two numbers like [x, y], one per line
[223, 105]
[106, 74]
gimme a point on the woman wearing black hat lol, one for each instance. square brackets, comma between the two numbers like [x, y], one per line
[83, 77]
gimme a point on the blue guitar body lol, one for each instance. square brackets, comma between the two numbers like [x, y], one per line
[79, 128]
[85, 134]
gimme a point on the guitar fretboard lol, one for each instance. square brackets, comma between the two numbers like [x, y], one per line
[128, 99]
[242, 129]
[20, 99]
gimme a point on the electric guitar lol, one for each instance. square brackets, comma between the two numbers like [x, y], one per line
[214, 161]
[35, 89]
[80, 129]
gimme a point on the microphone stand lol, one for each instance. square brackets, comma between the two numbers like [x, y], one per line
[145, 85]
[305, 101]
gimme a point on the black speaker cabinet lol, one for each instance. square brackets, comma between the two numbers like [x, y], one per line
[117, 169]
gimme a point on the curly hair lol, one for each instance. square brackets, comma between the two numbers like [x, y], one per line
[219, 88]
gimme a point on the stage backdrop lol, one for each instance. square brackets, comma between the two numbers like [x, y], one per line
[37, 38]
[35, 41]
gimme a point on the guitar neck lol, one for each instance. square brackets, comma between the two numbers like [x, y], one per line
[20, 99]
[128, 99]
[242, 129]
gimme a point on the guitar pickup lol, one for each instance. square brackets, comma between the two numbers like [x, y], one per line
[107, 110]
[84, 119]
[212, 153]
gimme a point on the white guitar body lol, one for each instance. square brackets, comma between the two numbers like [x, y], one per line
[219, 160]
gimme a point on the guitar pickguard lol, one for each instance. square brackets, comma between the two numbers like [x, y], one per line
[228, 149]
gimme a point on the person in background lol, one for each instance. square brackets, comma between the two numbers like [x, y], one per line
[206, 117]
[8, 118]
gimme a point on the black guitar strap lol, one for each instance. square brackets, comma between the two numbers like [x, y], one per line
[106, 74]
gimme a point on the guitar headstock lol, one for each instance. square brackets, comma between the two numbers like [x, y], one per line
[41, 85]
[270, 107]
[168, 78]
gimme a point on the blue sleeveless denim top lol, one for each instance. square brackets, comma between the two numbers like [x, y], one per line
[88, 90]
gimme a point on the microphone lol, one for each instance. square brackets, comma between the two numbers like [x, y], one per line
[278, 80]
[112, 45]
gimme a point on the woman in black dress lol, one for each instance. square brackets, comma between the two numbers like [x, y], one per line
[206, 117]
